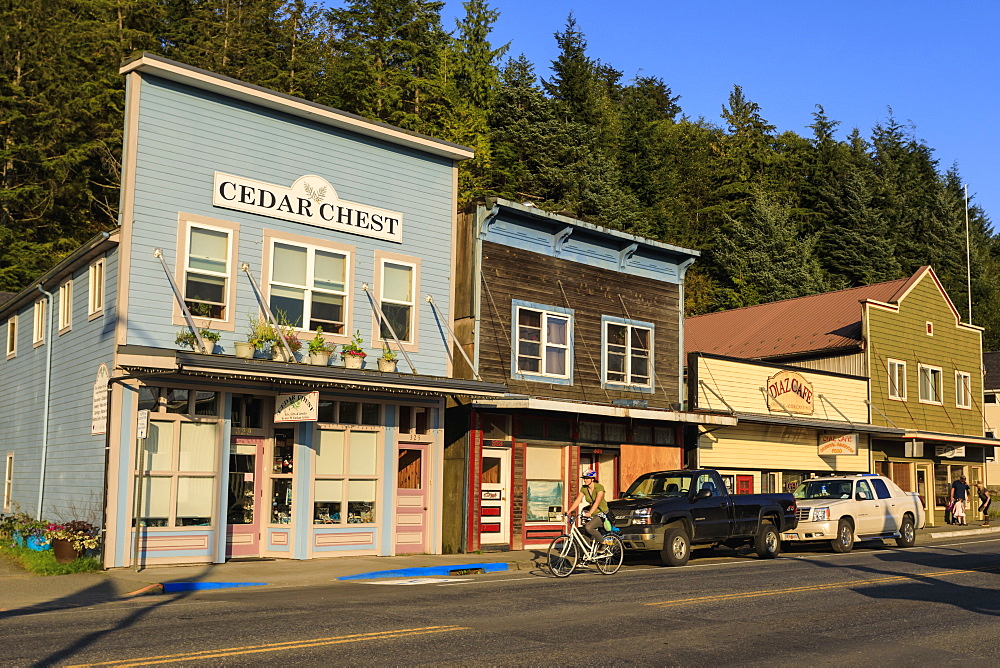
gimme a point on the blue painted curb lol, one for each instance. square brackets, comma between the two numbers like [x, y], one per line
[170, 587]
[430, 570]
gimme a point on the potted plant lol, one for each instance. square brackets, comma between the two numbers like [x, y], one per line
[260, 335]
[286, 331]
[69, 540]
[389, 358]
[353, 353]
[28, 532]
[186, 337]
[319, 349]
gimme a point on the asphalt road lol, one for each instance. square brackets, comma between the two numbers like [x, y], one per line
[929, 605]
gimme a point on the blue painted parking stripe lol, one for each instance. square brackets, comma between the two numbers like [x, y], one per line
[170, 587]
[429, 570]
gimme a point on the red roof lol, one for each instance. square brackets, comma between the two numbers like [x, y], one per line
[817, 323]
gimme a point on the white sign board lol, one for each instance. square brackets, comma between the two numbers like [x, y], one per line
[142, 424]
[838, 444]
[310, 200]
[297, 407]
[99, 408]
[949, 451]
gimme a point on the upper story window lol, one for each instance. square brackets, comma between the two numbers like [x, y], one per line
[38, 331]
[628, 352]
[66, 305]
[930, 384]
[897, 379]
[8, 481]
[95, 288]
[309, 285]
[963, 389]
[207, 270]
[397, 300]
[397, 288]
[12, 337]
[543, 342]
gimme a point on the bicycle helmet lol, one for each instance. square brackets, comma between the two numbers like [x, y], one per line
[589, 475]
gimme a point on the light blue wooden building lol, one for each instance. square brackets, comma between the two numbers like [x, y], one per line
[242, 205]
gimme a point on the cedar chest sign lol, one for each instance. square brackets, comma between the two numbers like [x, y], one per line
[789, 390]
[310, 200]
[297, 407]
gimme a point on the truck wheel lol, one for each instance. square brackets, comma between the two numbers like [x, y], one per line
[676, 547]
[845, 536]
[767, 543]
[907, 533]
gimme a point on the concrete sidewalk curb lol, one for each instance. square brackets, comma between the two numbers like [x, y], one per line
[964, 532]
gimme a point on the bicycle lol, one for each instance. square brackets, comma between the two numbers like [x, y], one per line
[568, 550]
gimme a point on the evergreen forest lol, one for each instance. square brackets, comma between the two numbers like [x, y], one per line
[776, 213]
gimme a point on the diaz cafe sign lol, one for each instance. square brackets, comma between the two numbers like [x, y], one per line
[789, 391]
[310, 200]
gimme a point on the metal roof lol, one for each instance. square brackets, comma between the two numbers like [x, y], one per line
[991, 365]
[817, 323]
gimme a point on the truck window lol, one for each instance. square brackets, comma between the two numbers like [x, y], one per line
[865, 491]
[705, 481]
[880, 488]
[653, 485]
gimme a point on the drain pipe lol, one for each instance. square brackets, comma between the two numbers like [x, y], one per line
[45, 405]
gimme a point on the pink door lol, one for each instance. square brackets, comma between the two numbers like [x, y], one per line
[411, 498]
[243, 509]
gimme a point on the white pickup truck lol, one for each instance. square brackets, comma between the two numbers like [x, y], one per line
[843, 509]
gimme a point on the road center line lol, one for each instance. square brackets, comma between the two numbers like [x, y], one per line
[272, 647]
[821, 587]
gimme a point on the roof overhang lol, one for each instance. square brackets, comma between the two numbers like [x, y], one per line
[172, 70]
[605, 410]
[912, 434]
[141, 360]
[833, 425]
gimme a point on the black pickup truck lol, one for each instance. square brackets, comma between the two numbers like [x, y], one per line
[670, 511]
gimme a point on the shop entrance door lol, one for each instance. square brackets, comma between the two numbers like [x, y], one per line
[924, 477]
[243, 509]
[411, 498]
[494, 502]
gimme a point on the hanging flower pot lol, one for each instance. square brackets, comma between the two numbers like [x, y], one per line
[63, 551]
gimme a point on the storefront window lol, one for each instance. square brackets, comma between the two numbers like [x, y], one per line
[177, 400]
[543, 468]
[281, 501]
[346, 468]
[349, 412]
[178, 464]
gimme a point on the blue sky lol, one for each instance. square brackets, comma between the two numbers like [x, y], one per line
[930, 61]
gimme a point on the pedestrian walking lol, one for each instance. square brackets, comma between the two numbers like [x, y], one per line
[985, 499]
[958, 495]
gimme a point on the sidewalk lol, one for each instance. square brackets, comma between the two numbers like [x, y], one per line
[20, 590]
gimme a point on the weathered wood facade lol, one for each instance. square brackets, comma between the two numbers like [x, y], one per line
[583, 325]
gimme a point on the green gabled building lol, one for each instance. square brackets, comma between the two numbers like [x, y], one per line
[923, 364]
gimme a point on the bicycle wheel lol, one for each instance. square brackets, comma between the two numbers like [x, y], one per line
[562, 556]
[614, 552]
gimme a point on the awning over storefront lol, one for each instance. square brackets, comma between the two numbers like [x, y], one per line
[564, 406]
[835, 425]
[142, 360]
[949, 438]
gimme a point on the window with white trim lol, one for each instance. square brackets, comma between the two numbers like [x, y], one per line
[963, 389]
[38, 331]
[12, 337]
[542, 342]
[308, 285]
[95, 288]
[8, 482]
[66, 305]
[346, 476]
[398, 300]
[628, 353]
[207, 270]
[930, 384]
[897, 379]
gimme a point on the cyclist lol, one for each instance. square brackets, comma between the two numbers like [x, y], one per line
[593, 492]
